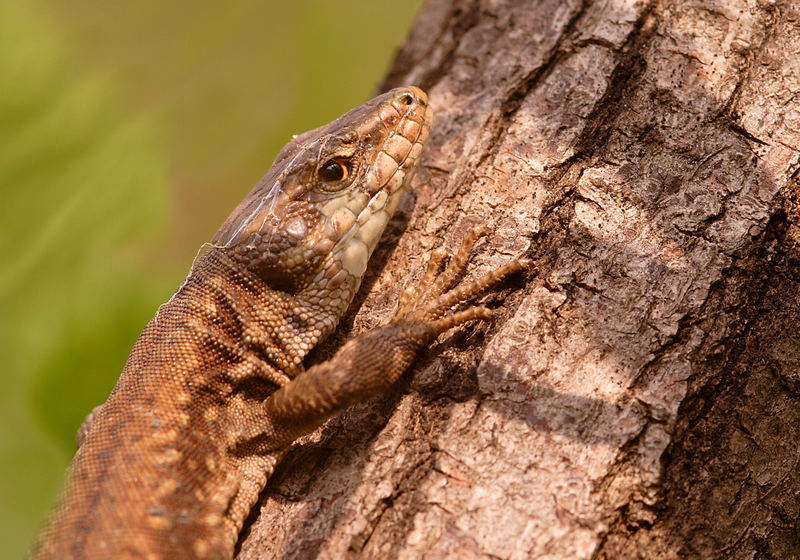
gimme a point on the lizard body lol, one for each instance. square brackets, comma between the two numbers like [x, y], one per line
[214, 391]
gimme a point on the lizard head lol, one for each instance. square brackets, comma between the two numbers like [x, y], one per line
[310, 225]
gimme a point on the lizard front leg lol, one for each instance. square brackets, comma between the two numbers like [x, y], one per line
[374, 360]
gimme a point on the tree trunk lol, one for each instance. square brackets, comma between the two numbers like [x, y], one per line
[638, 396]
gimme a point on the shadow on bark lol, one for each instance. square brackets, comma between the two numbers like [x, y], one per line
[639, 397]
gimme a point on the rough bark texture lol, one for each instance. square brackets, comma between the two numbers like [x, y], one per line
[638, 397]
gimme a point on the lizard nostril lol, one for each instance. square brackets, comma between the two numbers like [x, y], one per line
[406, 98]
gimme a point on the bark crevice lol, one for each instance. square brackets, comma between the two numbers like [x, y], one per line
[638, 396]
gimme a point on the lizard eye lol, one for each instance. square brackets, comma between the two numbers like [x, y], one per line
[333, 171]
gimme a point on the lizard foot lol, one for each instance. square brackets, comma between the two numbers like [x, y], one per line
[432, 300]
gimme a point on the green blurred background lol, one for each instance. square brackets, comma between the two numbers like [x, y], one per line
[128, 131]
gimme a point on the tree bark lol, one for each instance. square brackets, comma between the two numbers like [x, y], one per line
[638, 396]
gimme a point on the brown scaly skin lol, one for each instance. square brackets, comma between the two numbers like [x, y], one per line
[214, 390]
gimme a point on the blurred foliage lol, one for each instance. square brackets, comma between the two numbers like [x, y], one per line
[128, 132]
[78, 186]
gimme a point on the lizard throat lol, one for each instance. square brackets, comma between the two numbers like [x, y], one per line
[356, 221]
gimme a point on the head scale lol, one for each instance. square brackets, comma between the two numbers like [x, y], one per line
[310, 225]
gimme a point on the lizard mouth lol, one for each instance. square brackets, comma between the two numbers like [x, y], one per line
[359, 222]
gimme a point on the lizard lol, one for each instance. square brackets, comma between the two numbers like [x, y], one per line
[215, 391]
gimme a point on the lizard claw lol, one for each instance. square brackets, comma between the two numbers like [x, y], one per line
[432, 300]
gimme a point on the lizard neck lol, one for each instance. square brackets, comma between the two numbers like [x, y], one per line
[281, 328]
